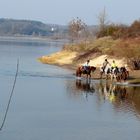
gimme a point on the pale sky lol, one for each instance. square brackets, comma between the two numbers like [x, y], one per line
[63, 11]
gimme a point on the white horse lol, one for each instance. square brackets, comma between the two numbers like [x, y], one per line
[108, 72]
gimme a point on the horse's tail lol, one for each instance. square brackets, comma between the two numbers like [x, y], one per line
[78, 71]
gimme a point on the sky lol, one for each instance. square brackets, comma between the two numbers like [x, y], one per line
[63, 11]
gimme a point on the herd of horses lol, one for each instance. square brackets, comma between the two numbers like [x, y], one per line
[118, 74]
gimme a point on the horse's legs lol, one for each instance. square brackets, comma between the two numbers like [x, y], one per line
[78, 73]
[101, 74]
[89, 75]
[106, 77]
[112, 76]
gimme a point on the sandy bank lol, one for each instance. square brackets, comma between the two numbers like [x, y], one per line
[65, 59]
[59, 58]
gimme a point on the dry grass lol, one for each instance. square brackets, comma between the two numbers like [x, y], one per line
[119, 50]
[99, 45]
[128, 48]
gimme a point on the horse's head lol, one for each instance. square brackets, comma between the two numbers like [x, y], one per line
[92, 68]
[123, 69]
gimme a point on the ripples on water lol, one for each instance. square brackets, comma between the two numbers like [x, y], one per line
[22, 73]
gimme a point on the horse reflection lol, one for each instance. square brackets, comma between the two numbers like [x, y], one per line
[85, 86]
[113, 92]
[122, 98]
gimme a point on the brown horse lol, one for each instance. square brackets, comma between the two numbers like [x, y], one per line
[80, 70]
[123, 74]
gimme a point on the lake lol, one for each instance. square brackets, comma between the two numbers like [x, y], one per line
[50, 103]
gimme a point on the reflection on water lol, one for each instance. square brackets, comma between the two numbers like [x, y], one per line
[80, 88]
[85, 86]
[123, 98]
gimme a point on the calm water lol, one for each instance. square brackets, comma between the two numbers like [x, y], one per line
[49, 103]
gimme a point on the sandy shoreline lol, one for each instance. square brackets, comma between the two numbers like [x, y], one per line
[65, 59]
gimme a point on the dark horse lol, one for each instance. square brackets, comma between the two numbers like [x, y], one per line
[123, 74]
[80, 70]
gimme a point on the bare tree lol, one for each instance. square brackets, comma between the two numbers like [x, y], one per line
[76, 26]
[102, 18]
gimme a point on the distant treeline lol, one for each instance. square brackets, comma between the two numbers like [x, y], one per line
[12, 27]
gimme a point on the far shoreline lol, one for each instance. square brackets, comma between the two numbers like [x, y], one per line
[30, 38]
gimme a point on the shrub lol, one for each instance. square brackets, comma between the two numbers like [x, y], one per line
[116, 31]
[120, 31]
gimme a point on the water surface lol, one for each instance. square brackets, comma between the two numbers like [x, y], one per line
[50, 103]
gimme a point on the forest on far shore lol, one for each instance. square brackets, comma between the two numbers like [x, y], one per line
[13, 27]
